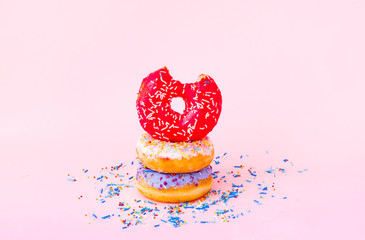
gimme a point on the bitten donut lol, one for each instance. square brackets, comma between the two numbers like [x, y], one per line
[170, 187]
[174, 157]
[203, 104]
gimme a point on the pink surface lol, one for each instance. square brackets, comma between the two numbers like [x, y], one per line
[292, 79]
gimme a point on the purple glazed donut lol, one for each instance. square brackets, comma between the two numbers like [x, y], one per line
[171, 187]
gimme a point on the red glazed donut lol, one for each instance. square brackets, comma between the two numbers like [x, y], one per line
[203, 104]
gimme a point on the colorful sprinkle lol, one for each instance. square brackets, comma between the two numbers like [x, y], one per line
[221, 204]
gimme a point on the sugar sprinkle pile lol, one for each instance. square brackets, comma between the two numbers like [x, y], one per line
[236, 190]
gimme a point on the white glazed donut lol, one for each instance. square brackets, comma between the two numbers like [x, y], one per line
[174, 157]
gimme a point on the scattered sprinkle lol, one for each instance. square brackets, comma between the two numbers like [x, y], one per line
[224, 202]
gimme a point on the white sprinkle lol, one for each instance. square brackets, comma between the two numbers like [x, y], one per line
[162, 79]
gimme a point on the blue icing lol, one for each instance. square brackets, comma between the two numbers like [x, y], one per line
[166, 180]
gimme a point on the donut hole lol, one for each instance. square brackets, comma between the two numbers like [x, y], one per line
[178, 105]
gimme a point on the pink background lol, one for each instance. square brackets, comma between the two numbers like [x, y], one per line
[292, 78]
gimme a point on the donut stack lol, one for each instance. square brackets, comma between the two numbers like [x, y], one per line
[175, 153]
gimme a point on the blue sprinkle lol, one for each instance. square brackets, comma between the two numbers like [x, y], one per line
[130, 178]
[265, 189]
[257, 202]
[163, 221]
[95, 216]
[219, 212]
[236, 186]
[203, 222]
[252, 173]
[132, 163]
[224, 154]
[124, 208]
[263, 193]
[188, 206]
[175, 221]
[157, 225]
[284, 197]
[86, 171]
[206, 82]
[241, 156]
[107, 216]
[204, 206]
[248, 180]
[285, 160]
